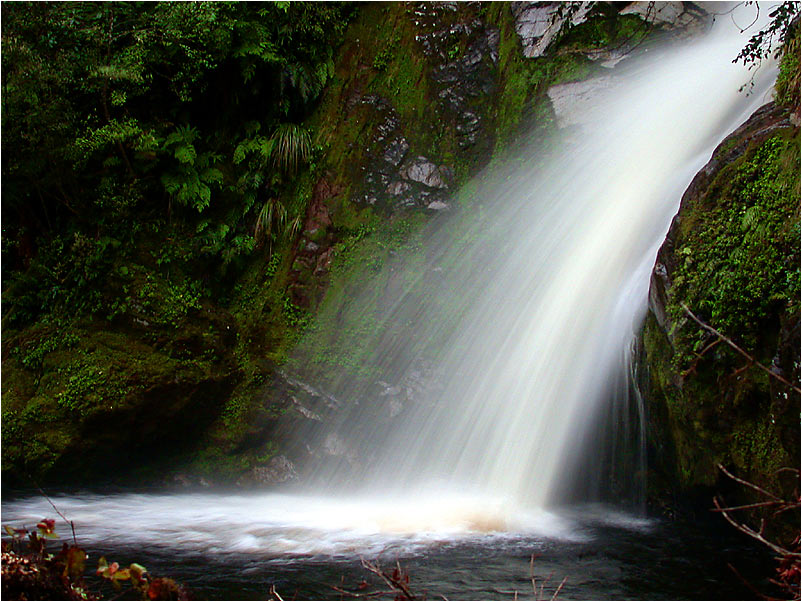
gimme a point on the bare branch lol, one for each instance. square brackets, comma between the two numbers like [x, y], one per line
[749, 585]
[738, 349]
[396, 583]
[355, 595]
[752, 533]
[66, 520]
[748, 484]
[748, 506]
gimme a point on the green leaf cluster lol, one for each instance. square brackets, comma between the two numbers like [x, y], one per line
[742, 268]
[126, 125]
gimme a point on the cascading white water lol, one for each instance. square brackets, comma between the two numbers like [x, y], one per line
[551, 290]
[553, 284]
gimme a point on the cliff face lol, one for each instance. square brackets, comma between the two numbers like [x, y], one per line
[179, 360]
[731, 258]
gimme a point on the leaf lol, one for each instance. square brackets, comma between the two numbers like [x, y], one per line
[15, 533]
[75, 563]
[186, 154]
[46, 528]
[122, 575]
[212, 174]
[137, 571]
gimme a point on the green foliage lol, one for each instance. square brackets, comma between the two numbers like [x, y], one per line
[33, 353]
[769, 40]
[107, 107]
[190, 181]
[788, 81]
[382, 58]
[167, 303]
[292, 147]
[270, 219]
[604, 31]
[82, 382]
[296, 317]
[744, 264]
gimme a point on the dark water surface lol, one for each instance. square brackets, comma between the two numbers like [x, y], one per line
[670, 562]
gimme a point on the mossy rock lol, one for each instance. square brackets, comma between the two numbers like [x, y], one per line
[732, 258]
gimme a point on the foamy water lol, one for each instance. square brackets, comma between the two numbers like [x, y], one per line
[276, 524]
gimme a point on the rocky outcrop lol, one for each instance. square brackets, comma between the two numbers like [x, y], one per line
[540, 23]
[278, 470]
[683, 17]
[732, 258]
[573, 102]
[152, 393]
[461, 52]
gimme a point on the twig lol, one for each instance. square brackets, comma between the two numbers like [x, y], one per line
[274, 595]
[749, 585]
[397, 584]
[532, 574]
[748, 506]
[559, 587]
[748, 484]
[752, 533]
[72, 526]
[353, 595]
[738, 349]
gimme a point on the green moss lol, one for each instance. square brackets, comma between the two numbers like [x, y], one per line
[787, 85]
[734, 260]
[523, 82]
[604, 32]
[349, 319]
[742, 264]
[755, 446]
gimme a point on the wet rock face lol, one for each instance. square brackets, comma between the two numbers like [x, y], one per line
[539, 23]
[681, 17]
[573, 103]
[462, 53]
[713, 407]
[461, 80]
[278, 470]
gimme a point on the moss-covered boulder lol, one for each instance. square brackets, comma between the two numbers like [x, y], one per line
[84, 400]
[731, 261]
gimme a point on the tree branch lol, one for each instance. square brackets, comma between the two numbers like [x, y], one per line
[738, 349]
[752, 533]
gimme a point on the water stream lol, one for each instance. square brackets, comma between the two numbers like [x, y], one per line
[552, 275]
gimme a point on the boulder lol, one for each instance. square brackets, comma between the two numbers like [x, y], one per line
[539, 23]
[424, 171]
[278, 470]
[574, 103]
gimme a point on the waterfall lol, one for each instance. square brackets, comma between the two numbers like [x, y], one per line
[530, 295]
[519, 313]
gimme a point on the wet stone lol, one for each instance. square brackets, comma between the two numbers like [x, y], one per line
[397, 188]
[395, 151]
